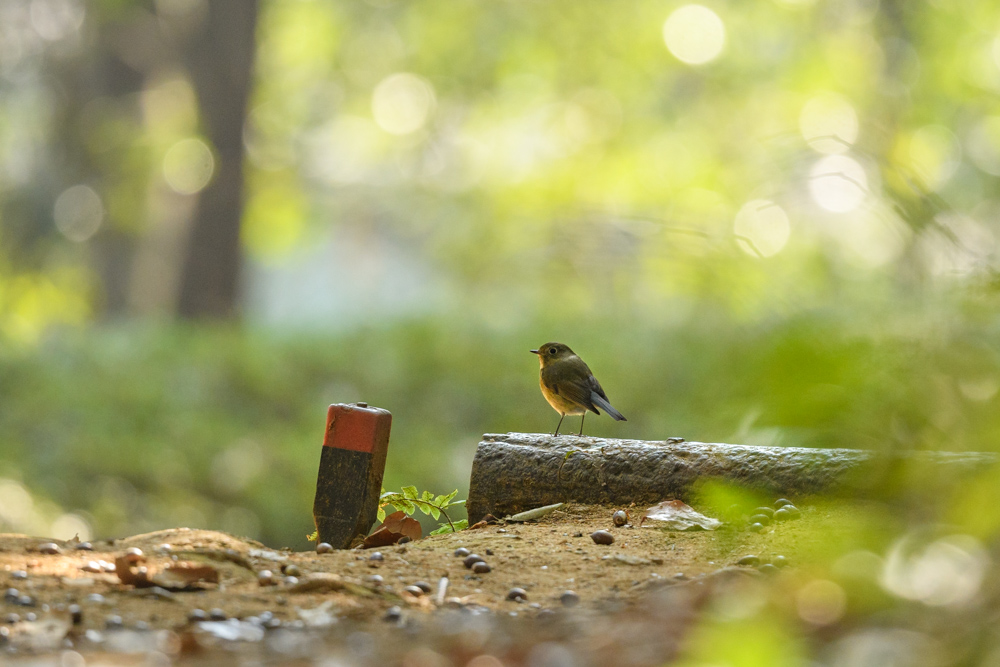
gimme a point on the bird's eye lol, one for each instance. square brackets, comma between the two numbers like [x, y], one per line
[552, 350]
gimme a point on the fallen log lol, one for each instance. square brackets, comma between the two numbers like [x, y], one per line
[515, 472]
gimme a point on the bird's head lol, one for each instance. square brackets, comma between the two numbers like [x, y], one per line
[552, 352]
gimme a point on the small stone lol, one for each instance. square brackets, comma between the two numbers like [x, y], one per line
[756, 527]
[272, 623]
[31, 617]
[49, 548]
[164, 548]
[619, 518]
[792, 511]
[375, 579]
[767, 568]
[76, 613]
[784, 515]
[265, 616]
[114, 622]
[781, 502]
[779, 561]
[19, 574]
[602, 537]
[11, 595]
[11, 619]
[489, 552]
[462, 552]
[414, 591]
[423, 585]
[141, 626]
[26, 601]
[752, 561]
[196, 615]
[471, 560]
[762, 519]
[291, 570]
[517, 595]
[569, 599]
[96, 598]
[265, 578]
[290, 581]
[577, 534]
[217, 614]
[377, 556]
[133, 554]
[767, 511]
[84, 546]
[324, 548]
[481, 567]
[403, 540]
[393, 614]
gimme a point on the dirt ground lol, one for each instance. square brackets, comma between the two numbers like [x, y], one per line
[357, 589]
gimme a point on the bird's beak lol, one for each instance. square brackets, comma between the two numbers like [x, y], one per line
[533, 351]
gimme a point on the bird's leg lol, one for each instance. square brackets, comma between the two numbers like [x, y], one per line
[561, 417]
[581, 423]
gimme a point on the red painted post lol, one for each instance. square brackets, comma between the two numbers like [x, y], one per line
[350, 472]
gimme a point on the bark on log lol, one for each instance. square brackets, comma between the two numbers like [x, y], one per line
[515, 472]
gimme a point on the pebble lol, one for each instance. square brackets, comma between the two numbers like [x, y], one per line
[569, 599]
[779, 561]
[49, 548]
[376, 556]
[762, 519]
[619, 518]
[471, 560]
[423, 585]
[752, 561]
[272, 623]
[196, 615]
[141, 626]
[375, 579]
[786, 514]
[489, 552]
[602, 537]
[415, 591]
[265, 578]
[767, 568]
[265, 616]
[781, 502]
[462, 552]
[217, 614]
[26, 601]
[96, 598]
[481, 567]
[756, 527]
[403, 540]
[31, 617]
[764, 510]
[517, 594]
[324, 548]
[76, 613]
[290, 581]
[133, 554]
[114, 622]
[84, 546]
[11, 595]
[577, 534]
[19, 574]
[393, 614]
[291, 570]
[92, 566]
[11, 619]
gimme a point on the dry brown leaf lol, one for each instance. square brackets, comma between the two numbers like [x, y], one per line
[676, 515]
[395, 527]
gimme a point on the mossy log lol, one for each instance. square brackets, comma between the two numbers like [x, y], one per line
[515, 472]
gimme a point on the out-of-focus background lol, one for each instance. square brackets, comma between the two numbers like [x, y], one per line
[768, 222]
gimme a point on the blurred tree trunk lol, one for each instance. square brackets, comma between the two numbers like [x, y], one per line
[219, 57]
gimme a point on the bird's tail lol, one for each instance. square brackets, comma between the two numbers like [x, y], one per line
[602, 402]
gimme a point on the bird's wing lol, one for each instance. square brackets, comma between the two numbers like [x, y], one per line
[578, 392]
[598, 397]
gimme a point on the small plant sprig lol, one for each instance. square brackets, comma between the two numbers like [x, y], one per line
[409, 500]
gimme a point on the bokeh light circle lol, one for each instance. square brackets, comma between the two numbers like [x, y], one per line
[402, 103]
[838, 183]
[188, 166]
[762, 228]
[828, 123]
[78, 213]
[694, 34]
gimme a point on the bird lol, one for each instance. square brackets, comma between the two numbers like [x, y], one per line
[569, 386]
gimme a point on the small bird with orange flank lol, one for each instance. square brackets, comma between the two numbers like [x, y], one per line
[569, 386]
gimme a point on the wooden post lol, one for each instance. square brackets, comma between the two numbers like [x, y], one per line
[350, 472]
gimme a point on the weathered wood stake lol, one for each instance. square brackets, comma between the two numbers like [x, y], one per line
[520, 471]
[350, 472]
